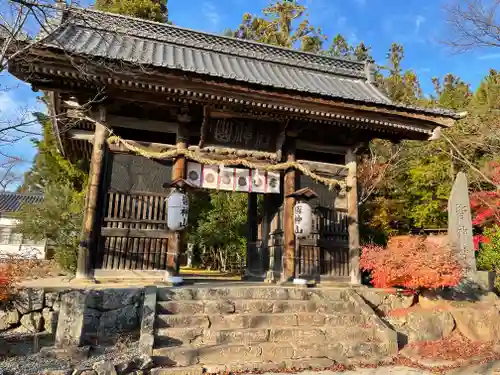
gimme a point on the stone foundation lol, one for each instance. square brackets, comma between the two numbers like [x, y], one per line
[103, 314]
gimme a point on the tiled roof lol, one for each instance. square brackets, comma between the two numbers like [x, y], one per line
[106, 35]
[12, 202]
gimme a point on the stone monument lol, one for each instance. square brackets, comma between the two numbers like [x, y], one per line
[460, 226]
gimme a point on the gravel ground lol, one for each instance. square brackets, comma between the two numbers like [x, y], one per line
[35, 364]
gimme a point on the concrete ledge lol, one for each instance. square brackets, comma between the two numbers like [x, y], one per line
[147, 338]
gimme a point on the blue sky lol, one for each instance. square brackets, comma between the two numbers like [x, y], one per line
[378, 23]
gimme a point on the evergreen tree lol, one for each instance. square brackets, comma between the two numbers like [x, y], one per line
[154, 10]
[284, 23]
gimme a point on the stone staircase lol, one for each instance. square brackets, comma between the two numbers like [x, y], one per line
[249, 328]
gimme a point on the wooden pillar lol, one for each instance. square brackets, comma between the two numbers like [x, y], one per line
[288, 206]
[178, 172]
[91, 215]
[252, 256]
[353, 220]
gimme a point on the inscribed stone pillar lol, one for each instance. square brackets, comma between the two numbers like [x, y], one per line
[71, 320]
[460, 226]
[289, 204]
[91, 215]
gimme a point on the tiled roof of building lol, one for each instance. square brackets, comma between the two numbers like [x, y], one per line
[116, 37]
[12, 202]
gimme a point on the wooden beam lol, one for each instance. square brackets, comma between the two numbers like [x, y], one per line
[80, 135]
[135, 233]
[89, 237]
[142, 124]
[318, 147]
[353, 219]
[331, 170]
[289, 204]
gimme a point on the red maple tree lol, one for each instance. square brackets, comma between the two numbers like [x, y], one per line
[486, 204]
[411, 262]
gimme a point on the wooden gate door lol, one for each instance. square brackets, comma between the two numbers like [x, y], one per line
[325, 253]
[134, 233]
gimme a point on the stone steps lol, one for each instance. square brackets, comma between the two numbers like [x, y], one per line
[246, 293]
[237, 328]
[200, 336]
[233, 355]
[251, 306]
[241, 321]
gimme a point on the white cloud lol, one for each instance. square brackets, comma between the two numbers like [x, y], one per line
[8, 107]
[211, 14]
[489, 56]
[419, 20]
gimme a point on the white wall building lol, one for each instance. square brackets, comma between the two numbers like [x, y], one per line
[12, 243]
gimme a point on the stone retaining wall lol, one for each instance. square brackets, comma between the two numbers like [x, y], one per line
[106, 313]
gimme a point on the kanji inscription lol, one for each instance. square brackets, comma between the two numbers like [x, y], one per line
[460, 225]
[242, 134]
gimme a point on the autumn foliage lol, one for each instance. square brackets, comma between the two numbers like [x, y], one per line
[411, 262]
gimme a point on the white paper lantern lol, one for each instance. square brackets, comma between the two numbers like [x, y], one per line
[302, 218]
[178, 208]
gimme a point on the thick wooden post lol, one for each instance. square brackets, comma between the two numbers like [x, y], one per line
[289, 204]
[252, 256]
[178, 171]
[353, 224]
[88, 238]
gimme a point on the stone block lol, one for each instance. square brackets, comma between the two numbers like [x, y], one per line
[32, 322]
[271, 320]
[28, 300]
[310, 363]
[297, 335]
[56, 372]
[230, 354]
[219, 307]
[195, 370]
[338, 320]
[249, 306]
[429, 325]
[229, 321]
[181, 307]
[276, 352]
[177, 356]
[8, 318]
[71, 320]
[179, 336]
[174, 294]
[113, 299]
[294, 306]
[49, 320]
[315, 350]
[241, 337]
[182, 321]
[104, 368]
[148, 316]
[121, 320]
[311, 320]
[478, 324]
[51, 298]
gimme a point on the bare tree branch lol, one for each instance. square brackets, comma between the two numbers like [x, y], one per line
[473, 24]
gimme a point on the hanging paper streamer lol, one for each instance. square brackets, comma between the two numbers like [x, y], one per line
[210, 176]
[194, 173]
[243, 180]
[258, 181]
[226, 179]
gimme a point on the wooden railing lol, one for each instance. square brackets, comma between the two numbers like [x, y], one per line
[134, 234]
